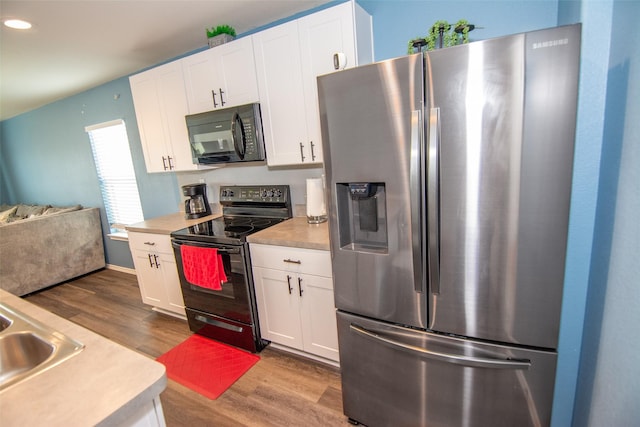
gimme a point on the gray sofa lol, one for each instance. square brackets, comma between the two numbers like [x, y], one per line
[43, 245]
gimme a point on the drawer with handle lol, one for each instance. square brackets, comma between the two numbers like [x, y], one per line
[151, 242]
[307, 261]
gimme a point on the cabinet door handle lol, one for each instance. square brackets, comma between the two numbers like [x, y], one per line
[289, 283]
[339, 61]
[150, 262]
[155, 259]
[313, 154]
[292, 261]
[171, 166]
[164, 163]
[215, 104]
[221, 97]
[300, 285]
[301, 152]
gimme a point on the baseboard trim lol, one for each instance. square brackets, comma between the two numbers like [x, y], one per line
[121, 269]
[335, 364]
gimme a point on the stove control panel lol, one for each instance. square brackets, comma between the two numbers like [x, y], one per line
[254, 194]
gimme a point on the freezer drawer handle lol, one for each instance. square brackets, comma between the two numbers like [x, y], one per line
[478, 362]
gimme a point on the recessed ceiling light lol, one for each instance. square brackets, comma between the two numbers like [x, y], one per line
[18, 24]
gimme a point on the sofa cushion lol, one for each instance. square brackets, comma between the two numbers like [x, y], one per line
[54, 210]
[5, 214]
[30, 211]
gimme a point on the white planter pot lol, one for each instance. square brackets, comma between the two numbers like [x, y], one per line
[219, 39]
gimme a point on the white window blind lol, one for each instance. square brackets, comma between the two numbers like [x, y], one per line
[116, 175]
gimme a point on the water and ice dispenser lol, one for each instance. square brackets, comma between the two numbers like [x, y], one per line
[362, 216]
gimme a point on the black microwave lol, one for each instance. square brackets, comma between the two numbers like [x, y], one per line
[226, 135]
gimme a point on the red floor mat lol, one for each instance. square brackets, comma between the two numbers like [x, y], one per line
[206, 366]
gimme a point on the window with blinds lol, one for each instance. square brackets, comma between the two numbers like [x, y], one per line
[116, 175]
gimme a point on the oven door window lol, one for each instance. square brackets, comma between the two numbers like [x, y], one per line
[232, 301]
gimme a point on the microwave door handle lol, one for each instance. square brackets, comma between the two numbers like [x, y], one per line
[239, 138]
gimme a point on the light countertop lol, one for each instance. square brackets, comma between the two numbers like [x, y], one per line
[294, 232]
[168, 223]
[104, 384]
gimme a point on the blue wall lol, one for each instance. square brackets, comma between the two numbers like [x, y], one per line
[45, 157]
[596, 21]
[395, 22]
[609, 375]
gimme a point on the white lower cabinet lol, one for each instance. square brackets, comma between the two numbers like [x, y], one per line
[294, 292]
[157, 272]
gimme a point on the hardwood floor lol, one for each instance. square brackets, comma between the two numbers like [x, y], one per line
[280, 390]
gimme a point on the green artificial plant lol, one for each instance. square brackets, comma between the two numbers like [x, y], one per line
[442, 34]
[221, 29]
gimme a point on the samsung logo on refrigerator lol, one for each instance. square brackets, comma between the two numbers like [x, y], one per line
[550, 43]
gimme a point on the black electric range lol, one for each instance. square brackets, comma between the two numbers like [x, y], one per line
[245, 210]
[228, 312]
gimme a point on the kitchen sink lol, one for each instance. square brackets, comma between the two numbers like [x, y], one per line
[4, 323]
[28, 347]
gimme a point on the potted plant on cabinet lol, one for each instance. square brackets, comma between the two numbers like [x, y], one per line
[220, 35]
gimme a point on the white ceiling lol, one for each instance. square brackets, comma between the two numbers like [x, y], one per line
[76, 45]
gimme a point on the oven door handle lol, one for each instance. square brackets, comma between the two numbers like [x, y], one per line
[221, 249]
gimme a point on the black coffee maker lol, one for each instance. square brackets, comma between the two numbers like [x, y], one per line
[197, 205]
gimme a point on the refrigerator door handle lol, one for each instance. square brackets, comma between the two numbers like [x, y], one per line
[415, 178]
[433, 200]
[477, 362]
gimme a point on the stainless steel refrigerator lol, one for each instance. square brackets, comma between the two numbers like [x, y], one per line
[449, 179]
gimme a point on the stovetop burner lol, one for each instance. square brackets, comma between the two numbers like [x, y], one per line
[246, 210]
[228, 227]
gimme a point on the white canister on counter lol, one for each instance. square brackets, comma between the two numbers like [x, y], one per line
[316, 208]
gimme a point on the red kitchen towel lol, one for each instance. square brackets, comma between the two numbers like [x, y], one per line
[203, 267]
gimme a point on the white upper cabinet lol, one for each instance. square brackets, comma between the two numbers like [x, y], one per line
[282, 102]
[276, 67]
[221, 77]
[160, 103]
[288, 59]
